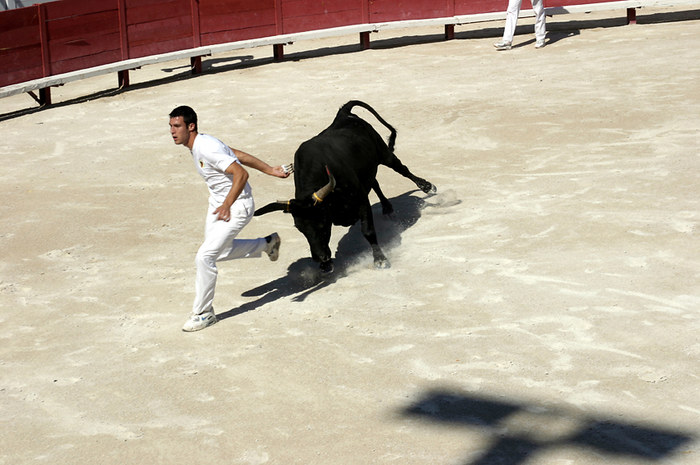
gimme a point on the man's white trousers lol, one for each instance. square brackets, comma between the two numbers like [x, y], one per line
[220, 244]
[512, 19]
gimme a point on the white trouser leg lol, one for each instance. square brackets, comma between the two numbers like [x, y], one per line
[511, 20]
[540, 19]
[220, 244]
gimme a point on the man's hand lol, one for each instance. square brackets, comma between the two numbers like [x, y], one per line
[282, 171]
[223, 212]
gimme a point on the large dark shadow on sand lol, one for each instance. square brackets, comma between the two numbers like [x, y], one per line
[303, 276]
[509, 443]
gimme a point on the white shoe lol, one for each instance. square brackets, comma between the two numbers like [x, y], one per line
[201, 321]
[273, 246]
[503, 45]
[539, 43]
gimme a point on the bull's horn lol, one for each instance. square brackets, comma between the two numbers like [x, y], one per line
[321, 194]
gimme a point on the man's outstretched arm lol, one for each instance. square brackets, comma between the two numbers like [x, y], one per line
[250, 161]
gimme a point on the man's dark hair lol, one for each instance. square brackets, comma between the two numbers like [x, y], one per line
[187, 113]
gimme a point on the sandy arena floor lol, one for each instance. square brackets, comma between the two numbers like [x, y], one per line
[543, 308]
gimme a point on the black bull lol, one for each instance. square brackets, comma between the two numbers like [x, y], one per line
[333, 174]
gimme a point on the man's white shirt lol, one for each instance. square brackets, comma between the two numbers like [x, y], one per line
[211, 158]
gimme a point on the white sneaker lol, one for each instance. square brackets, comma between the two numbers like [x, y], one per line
[201, 321]
[273, 246]
[503, 45]
[539, 44]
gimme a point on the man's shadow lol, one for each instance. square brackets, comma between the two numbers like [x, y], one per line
[304, 277]
[511, 443]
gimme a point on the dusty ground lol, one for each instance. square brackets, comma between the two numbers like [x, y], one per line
[542, 308]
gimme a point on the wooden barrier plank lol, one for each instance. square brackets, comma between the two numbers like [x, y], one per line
[305, 15]
[138, 3]
[115, 67]
[223, 21]
[83, 62]
[18, 18]
[20, 46]
[237, 35]
[469, 7]
[226, 7]
[556, 3]
[160, 31]
[149, 49]
[84, 47]
[26, 73]
[237, 21]
[310, 22]
[298, 8]
[389, 10]
[71, 27]
[68, 8]
[18, 58]
[156, 10]
[18, 30]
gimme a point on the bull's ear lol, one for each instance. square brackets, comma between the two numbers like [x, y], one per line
[273, 207]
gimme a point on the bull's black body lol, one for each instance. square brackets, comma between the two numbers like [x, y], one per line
[349, 151]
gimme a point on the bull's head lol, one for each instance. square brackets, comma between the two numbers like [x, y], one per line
[311, 219]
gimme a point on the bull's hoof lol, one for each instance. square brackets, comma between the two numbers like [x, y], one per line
[326, 267]
[427, 187]
[382, 264]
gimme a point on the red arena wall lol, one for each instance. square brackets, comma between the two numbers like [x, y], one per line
[69, 35]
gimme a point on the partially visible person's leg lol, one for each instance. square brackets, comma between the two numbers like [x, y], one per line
[540, 22]
[511, 21]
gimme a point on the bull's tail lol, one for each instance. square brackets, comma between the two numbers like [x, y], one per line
[280, 205]
[345, 109]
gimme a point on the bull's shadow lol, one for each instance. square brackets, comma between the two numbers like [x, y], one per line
[353, 248]
[303, 276]
[512, 442]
